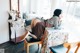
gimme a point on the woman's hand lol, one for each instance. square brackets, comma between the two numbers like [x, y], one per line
[32, 35]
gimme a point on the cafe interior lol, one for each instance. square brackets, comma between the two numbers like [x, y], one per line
[39, 26]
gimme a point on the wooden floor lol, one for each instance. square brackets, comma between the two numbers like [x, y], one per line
[10, 47]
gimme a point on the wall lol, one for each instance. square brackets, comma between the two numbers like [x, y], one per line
[24, 6]
[43, 8]
[54, 5]
[4, 7]
[38, 8]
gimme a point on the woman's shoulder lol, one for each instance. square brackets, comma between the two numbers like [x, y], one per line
[55, 16]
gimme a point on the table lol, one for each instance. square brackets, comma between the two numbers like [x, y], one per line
[16, 29]
[55, 37]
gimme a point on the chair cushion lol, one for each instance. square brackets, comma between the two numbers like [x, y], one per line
[28, 22]
[32, 40]
[58, 49]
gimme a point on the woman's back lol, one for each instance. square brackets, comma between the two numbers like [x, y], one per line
[38, 28]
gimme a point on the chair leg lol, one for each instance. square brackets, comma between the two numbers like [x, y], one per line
[24, 47]
[76, 49]
[38, 47]
[51, 52]
[27, 48]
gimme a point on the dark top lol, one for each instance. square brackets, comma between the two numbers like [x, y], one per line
[38, 30]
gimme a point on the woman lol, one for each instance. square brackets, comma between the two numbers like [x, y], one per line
[38, 28]
[55, 20]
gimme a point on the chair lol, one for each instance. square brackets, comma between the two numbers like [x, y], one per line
[27, 44]
[65, 48]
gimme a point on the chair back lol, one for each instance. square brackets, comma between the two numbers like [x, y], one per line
[66, 48]
[72, 45]
[27, 44]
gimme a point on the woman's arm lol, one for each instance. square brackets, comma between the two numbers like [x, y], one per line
[32, 35]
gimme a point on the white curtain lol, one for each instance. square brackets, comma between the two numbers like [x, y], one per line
[71, 20]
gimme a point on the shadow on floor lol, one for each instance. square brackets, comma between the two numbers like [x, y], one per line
[10, 47]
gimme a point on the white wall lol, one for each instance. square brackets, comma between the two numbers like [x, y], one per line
[43, 8]
[24, 6]
[33, 6]
[54, 5]
[38, 8]
[4, 7]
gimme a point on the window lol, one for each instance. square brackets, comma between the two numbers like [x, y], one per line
[71, 19]
[40, 8]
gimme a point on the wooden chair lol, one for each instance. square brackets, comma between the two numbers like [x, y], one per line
[27, 44]
[65, 48]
